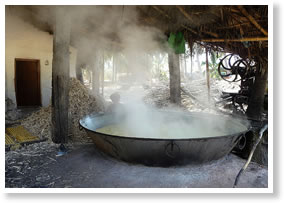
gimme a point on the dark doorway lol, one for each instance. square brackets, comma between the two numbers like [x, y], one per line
[27, 82]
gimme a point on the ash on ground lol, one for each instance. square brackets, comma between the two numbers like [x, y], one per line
[37, 166]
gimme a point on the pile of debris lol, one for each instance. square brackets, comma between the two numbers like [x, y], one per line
[194, 96]
[11, 113]
[81, 103]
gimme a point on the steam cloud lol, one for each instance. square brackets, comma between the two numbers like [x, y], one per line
[116, 29]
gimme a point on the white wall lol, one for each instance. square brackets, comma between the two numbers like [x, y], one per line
[25, 41]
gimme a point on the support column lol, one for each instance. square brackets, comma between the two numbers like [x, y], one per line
[174, 70]
[207, 75]
[254, 111]
[79, 64]
[60, 76]
[255, 105]
[96, 75]
[103, 73]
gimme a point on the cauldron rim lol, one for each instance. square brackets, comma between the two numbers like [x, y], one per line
[166, 139]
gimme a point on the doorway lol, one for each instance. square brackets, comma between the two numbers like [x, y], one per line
[27, 82]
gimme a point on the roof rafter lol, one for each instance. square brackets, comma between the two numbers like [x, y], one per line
[246, 39]
[252, 20]
[183, 11]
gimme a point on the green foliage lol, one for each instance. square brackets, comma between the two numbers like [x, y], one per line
[213, 64]
[163, 76]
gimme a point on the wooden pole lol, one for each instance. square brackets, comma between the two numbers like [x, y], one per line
[207, 74]
[185, 68]
[255, 105]
[191, 51]
[252, 20]
[103, 74]
[79, 64]
[236, 40]
[96, 75]
[113, 69]
[174, 69]
[60, 76]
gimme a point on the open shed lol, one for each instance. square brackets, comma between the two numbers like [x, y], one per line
[46, 45]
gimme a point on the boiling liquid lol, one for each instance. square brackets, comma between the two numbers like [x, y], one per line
[181, 130]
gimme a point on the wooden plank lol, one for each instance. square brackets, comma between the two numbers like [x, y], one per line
[60, 76]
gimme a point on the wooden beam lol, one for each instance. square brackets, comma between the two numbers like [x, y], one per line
[237, 25]
[161, 11]
[211, 33]
[168, 17]
[183, 11]
[245, 39]
[60, 76]
[188, 28]
[252, 20]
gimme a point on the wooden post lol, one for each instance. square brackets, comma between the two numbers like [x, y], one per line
[96, 75]
[174, 69]
[103, 74]
[207, 74]
[60, 76]
[185, 68]
[254, 112]
[79, 64]
[191, 51]
[255, 105]
[113, 69]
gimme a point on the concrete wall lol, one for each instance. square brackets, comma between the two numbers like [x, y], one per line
[25, 41]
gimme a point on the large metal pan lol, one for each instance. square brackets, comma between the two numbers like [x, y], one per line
[165, 152]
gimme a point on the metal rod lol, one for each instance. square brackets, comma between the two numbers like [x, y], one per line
[251, 154]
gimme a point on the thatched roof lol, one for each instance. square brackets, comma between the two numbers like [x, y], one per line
[238, 29]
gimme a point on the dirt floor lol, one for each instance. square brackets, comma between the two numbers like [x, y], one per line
[37, 166]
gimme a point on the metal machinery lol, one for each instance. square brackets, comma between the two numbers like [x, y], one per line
[232, 68]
